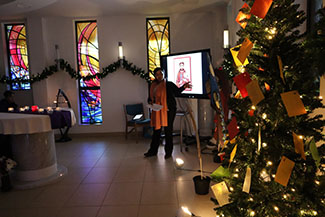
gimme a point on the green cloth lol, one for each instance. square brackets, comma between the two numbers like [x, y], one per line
[220, 172]
[314, 152]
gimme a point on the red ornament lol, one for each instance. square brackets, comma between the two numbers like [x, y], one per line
[221, 155]
[233, 128]
[261, 7]
[34, 108]
[242, 16]
[241, 81]
[251, 112]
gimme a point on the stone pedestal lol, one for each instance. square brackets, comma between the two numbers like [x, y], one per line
[35, 155]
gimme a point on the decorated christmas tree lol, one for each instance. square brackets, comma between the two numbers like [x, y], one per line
[274, 163]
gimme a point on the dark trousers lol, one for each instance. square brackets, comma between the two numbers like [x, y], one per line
[168, 135]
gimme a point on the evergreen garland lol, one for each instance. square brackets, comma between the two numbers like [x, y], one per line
[62, 64]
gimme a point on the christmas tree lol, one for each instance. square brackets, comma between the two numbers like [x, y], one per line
[275, 167]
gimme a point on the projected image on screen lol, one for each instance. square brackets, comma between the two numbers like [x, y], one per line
[183, 67]
[186, 68]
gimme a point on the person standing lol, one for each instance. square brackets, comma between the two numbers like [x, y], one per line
[163, 93]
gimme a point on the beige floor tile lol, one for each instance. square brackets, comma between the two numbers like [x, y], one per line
[186, 193]
[78, 212]
[158, 211]
[100, 175]
[105, 161]
[118, 211]
[19, 198]
[159, 161]
[88, 195]
[121, 193]
[109, 177]
[75, 176]
[185, 175]
[129, 174]
[84, 162]
[138, 161]
[156, 193]
[95, 150]
[159, 174]
[54, 196]
[204, 209]
[36, 212]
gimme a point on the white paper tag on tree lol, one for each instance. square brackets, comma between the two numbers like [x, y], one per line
[221, 193]
[247, 181]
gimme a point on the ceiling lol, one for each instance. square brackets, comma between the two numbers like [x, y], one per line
[86, 8]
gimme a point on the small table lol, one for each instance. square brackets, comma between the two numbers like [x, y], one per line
[33, 148]
[62, 119]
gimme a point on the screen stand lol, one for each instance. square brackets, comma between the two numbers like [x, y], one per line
[205, 123]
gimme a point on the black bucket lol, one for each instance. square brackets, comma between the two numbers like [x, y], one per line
[202, 186]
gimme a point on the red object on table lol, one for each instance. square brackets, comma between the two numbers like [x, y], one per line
[34, 108]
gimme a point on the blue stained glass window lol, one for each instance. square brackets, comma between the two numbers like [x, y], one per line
[17, 55]
[88, 64]
[91, 106]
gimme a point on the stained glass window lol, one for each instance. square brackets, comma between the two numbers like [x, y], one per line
[88, 64]
[17, 55]
[157, 41]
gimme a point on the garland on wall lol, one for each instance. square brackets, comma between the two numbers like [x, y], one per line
[61, 64]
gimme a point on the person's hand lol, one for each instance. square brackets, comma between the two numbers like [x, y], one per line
[187, 85]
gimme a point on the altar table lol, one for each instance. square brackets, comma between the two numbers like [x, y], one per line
[33, 147]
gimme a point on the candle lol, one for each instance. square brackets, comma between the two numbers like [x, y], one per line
[40, 110]
[10, 109]
[26, 107]
[22, 109]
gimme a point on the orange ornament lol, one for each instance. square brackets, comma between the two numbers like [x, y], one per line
[242, 16]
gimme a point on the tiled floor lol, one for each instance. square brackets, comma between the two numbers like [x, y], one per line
[109, 177]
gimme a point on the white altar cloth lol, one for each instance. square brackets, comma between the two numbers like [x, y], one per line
[14, 124]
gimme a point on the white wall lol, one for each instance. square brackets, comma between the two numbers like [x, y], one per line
[190, 31]
[232, 12]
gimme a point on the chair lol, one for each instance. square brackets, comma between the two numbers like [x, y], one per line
[130, 111]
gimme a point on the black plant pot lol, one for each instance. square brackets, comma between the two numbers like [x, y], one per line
[201, 186]
[5, 183]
